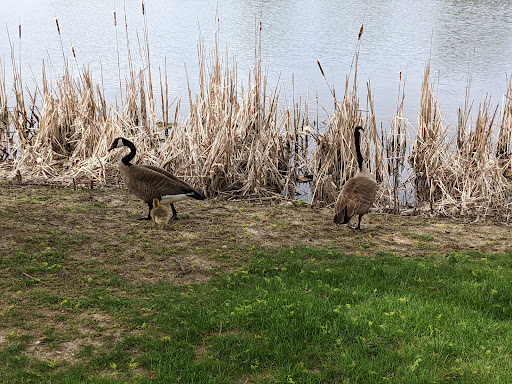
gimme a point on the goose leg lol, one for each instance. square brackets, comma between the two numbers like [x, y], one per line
[150, 205]
[359, 222]
[174, 213]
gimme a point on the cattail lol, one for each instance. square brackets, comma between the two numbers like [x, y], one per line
[142, 3]
[115, 19]
[57, 22]
[19, 31]
[320, 66]
[360, 32]
[73, 50]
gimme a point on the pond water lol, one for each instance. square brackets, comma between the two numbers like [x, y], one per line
[463, 40]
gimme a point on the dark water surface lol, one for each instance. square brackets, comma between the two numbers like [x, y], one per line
[462, 39]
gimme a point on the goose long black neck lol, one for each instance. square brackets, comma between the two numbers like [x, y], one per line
[357, 137]
[129, 157]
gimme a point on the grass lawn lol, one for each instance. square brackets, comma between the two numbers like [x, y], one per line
[88, 294]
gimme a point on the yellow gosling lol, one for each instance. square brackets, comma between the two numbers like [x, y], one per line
[159, 215]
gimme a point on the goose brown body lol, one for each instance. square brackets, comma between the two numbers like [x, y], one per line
[358, 194]
[148, 182]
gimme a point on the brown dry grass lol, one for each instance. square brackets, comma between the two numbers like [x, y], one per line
[470, 179]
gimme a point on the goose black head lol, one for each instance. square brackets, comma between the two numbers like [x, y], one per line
[117, 143]
[122, 142]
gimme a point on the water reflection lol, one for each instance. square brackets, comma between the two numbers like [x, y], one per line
[459, 37]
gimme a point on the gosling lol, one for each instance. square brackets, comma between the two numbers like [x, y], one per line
[159, 215]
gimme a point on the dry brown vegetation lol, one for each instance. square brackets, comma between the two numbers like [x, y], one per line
[241, 143]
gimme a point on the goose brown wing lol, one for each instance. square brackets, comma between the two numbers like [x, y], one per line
[362, 194]
[174, 183]
[147, 183]
[344, 208]
[356, 197]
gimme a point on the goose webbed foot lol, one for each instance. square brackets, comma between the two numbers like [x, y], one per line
[358, 224]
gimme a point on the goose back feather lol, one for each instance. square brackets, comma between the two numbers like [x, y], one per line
[147, 182]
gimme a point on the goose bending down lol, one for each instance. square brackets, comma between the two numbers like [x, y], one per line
[159, 214]
[148, 182]
[358, 193]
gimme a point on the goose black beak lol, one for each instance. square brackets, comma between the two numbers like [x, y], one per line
[112, 147]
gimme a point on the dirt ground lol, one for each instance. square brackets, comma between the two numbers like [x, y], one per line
[212, 236]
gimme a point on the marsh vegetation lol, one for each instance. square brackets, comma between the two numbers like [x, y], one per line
[239, 140]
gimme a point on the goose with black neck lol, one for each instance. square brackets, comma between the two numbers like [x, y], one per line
[149, 182]
[358, 194]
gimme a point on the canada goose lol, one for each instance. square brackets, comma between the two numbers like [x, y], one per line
[159, 214]
[149, 182]
[358, 193]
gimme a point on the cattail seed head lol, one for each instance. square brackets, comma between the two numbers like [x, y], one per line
[19, 31]
[73, 50]
[320, 66]
[115, 19]
[142, 3]
[360, 32]
[57, 22]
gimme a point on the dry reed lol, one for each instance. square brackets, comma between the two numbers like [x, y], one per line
[394, 148]
[5, 137]
[468, 181]
[333, 161]
[231, 144]
[239, 141]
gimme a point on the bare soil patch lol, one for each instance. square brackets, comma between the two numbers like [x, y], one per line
[211, 235]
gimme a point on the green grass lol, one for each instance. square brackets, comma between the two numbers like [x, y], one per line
[295, 316]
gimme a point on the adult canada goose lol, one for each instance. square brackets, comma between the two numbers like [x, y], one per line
[159, 214]
[358, 193]
[149, 182]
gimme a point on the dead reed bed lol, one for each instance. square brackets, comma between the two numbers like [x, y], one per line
[240, 141]
[463, 176]
[333, 160]
[5, 139]
[235, 142]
